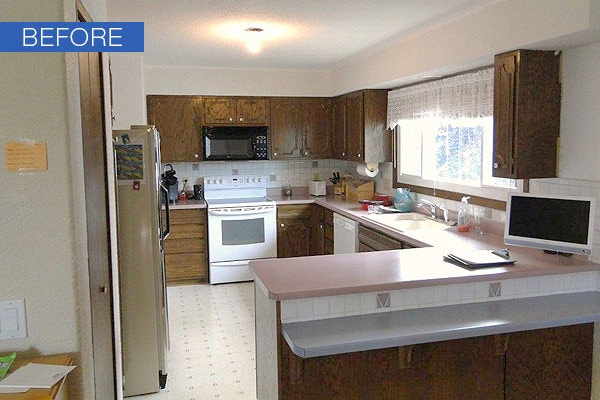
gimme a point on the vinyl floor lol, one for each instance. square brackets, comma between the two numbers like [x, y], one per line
[212, 354]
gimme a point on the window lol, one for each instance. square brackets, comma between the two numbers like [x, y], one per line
[445, 135]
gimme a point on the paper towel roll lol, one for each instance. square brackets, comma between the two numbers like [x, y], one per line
[370, 170]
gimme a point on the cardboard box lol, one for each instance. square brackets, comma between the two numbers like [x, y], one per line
[363, 191]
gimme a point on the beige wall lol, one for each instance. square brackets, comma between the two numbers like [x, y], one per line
[43, 217]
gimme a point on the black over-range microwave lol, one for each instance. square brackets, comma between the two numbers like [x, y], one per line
[222, 143]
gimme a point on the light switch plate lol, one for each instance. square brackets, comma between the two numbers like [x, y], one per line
[12, 319]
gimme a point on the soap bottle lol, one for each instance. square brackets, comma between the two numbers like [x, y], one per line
[463, 215]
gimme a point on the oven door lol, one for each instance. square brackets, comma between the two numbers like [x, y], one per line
[242, 233]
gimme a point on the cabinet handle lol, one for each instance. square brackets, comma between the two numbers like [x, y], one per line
[344, 153]
[499, 161]
[282, 225]
[275, 154]
[103, 289]
[320, 226]
[306, 153]
[241, 119]
[358, 155]
[230, 119]
[196, 155]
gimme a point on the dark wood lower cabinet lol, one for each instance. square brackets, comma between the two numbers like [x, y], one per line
[542, 364]
[550, 364]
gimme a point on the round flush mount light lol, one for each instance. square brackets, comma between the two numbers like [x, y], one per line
[253, 39]
[254, 35]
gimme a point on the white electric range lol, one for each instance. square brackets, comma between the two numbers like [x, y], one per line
[241, 225]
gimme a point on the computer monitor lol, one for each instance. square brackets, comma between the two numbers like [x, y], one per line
[556, 223]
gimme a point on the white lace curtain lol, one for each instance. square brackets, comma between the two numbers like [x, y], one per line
[469, 95]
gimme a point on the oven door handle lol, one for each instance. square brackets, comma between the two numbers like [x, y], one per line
[241, 211]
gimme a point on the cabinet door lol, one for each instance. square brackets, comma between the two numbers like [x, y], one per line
[504, 104]
[316, 128]
[470, 368]
[328, 231]
[294, 230]
[317, 246]
[285, 128]
[252, 110]
[355, 141]
[526, 114]
[220, 110]
[339, 128]
[551, 363]
[179, 120]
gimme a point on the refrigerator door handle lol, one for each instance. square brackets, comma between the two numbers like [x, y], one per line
[167, 230]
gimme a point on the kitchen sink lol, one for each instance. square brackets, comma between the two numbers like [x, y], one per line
[406, 221]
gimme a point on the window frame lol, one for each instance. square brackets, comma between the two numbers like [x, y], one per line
[486, 192]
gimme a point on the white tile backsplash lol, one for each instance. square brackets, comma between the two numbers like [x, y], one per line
[294, 173]
[435, 296]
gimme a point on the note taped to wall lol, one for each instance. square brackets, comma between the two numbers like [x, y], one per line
[26, 156]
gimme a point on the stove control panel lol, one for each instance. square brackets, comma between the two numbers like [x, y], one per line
[235, 182]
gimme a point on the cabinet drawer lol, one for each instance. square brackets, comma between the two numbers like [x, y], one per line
[195, 215]
[294, 211]
[363, 248]
[186, 266]
[185, 246]
[187, 231]
[376, 240]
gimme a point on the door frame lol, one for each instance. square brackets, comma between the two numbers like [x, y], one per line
[84, 284]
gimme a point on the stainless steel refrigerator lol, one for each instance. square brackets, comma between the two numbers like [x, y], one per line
[142, 228]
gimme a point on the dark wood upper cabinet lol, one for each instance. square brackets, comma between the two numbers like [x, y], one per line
[339, 128]
[179, 121]
[527, 94]
[236, 110]
[317, 127]
[286, 128]
[252, 110]
[301, 127]
[360, 127]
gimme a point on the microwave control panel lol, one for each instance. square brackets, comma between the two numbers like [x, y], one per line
[261, 147]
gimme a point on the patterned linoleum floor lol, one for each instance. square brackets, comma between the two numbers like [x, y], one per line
[212, 352]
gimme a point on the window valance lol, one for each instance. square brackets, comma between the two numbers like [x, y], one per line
[468, 95]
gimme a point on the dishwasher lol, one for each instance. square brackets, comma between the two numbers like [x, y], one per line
[345, 235]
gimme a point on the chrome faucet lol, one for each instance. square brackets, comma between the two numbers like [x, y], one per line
[432, 205]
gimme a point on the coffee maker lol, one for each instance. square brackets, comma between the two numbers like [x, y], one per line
[171, 183]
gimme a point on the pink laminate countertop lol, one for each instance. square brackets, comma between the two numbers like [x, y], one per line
[185, 204]
[332, 275]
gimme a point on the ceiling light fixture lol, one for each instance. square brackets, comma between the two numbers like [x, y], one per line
[252, 39]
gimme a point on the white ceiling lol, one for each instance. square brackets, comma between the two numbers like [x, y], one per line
[315, 34]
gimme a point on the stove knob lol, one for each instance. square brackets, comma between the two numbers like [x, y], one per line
[260, 179]
[253, 180]
[220, 181]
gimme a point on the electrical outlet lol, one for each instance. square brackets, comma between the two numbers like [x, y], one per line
[273, 178]
[315, 176]
[195, 167]
[315, 164]
[234, 171]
